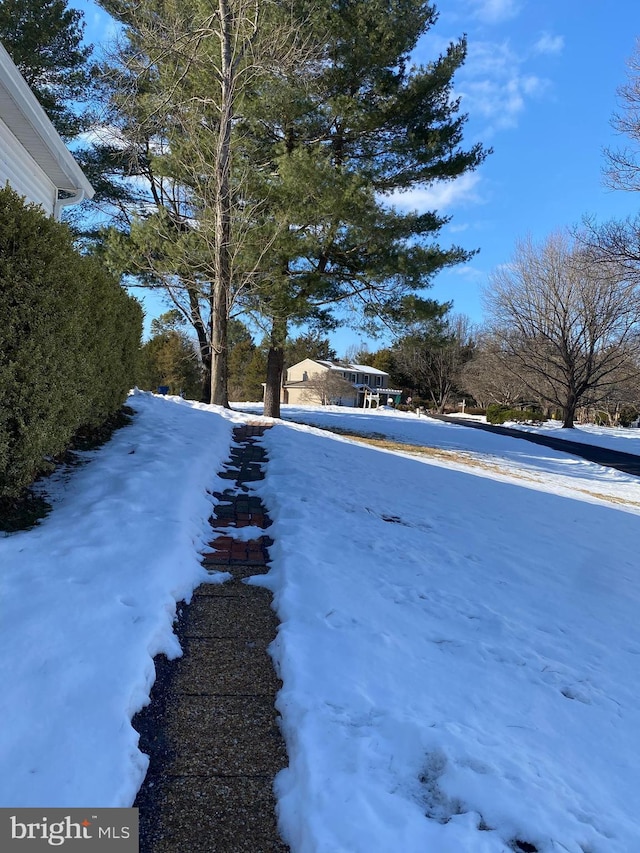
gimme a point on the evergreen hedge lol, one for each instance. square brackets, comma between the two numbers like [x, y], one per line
[497, 414]
[69, 337]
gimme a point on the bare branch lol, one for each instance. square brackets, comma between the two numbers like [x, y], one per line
[565, 324]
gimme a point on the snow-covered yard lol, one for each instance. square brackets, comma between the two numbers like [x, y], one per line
[459, 641]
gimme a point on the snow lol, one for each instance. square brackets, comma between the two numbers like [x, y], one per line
[89, 597]
[459, 642]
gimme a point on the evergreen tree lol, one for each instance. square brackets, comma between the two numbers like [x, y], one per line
[247, 370]
[247, 364]
[308, 345]
[44, 39]
[266, 189]
[382, 359]
[140, 190]
[169, 358]
[364, 124]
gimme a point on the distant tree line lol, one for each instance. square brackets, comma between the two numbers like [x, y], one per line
[170, 359]
[561, 336]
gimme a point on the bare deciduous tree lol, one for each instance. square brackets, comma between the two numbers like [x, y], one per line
[568, 323]
[432, 361]
[488, 378]
[619, 240]
[623, 164]
[327, 388]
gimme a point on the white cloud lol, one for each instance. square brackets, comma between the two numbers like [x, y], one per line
[442, 196]
[469, 272]
[493, 85]
[496, 11]
[549, 44]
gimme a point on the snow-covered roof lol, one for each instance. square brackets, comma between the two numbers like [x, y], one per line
[21, 111]
[353, 368]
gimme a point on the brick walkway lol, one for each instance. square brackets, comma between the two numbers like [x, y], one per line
[211, 728]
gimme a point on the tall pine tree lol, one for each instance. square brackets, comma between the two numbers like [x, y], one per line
[364, 124]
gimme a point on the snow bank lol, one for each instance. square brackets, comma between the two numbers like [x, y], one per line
[89, 597]
[458, 656]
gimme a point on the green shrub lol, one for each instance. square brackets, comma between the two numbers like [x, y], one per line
[69, 336]
[628, 415]
[497, 414]
[525, 416]
[494, 413]
[602, 419]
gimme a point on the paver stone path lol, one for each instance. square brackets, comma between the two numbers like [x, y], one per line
[211, 728]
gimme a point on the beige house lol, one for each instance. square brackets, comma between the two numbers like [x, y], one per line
[338, 383]
[33, 158]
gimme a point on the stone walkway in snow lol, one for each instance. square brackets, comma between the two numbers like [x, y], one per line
[211, 728]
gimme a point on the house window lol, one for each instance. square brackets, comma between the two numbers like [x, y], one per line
[366, 379]
[378, 380]
[352, 377]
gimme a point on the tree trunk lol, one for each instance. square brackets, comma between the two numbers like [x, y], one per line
[205, 355]
[204, 345]
[569, 413]
[219, 355]
[222, 239]
[275, 369]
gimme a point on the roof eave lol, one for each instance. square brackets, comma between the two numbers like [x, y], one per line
[54, 158]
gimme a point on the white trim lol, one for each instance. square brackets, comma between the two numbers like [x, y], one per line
[28, 122]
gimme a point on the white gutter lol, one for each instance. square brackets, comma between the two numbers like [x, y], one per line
[29, 123]
[72, 198]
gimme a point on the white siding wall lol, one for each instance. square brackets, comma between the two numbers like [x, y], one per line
[23, 173]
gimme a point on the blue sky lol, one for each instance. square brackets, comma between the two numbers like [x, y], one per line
[540, 87]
